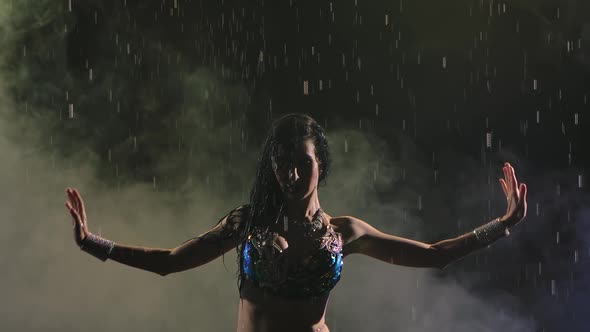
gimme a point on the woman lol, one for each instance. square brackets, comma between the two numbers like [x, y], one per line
[290, 251]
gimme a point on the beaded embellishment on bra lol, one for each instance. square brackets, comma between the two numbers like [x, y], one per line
[271, 267]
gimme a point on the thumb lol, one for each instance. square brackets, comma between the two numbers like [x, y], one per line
[523, 190]
[523, 197]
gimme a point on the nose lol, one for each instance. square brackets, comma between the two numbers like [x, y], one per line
[293, 175]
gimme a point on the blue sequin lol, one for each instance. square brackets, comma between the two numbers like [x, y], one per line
[267, 268]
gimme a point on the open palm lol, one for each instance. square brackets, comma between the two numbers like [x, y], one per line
[516, 196]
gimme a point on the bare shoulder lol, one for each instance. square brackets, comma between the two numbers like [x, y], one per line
[236, 218]
[351, 228]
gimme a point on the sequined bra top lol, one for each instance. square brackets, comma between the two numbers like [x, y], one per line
[273, 269]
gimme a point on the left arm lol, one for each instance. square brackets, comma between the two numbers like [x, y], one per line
[401, 251]
[365, 239]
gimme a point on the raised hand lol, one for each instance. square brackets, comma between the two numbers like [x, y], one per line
[516, 195]
[76, 207]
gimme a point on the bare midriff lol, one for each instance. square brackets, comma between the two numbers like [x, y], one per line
[260, 311]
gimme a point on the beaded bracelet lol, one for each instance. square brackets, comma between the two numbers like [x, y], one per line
[97, 246]
[490, 232]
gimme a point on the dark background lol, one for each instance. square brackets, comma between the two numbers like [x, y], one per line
[178, 95]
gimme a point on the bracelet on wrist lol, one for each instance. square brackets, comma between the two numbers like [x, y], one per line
[97, 246]
[490, 232]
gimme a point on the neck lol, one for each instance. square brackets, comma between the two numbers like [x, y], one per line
[302, 209]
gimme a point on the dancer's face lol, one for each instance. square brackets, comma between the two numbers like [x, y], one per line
[296, 169]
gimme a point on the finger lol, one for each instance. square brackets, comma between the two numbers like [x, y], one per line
[508, 178]
[75, 195]
[523, 192]
[514, 181]
[503, 184]
[74, 214]
[82, 209]
[69, 207]
[72, 198]
[524, 199]
[68, 194]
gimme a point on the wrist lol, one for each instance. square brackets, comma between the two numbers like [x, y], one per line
[97, 246]
[491, 232]
[508, 221]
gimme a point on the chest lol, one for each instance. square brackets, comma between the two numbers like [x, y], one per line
[294, 261]
[274, 257]
[293, 246]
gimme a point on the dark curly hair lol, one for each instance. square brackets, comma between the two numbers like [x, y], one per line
[266, 197]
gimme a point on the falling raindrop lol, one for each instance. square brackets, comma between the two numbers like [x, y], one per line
[71, 111]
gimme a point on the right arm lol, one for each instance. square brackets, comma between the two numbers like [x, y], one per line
[190, 254]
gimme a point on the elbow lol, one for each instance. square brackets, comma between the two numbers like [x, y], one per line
[442, 258]
[164, 268]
